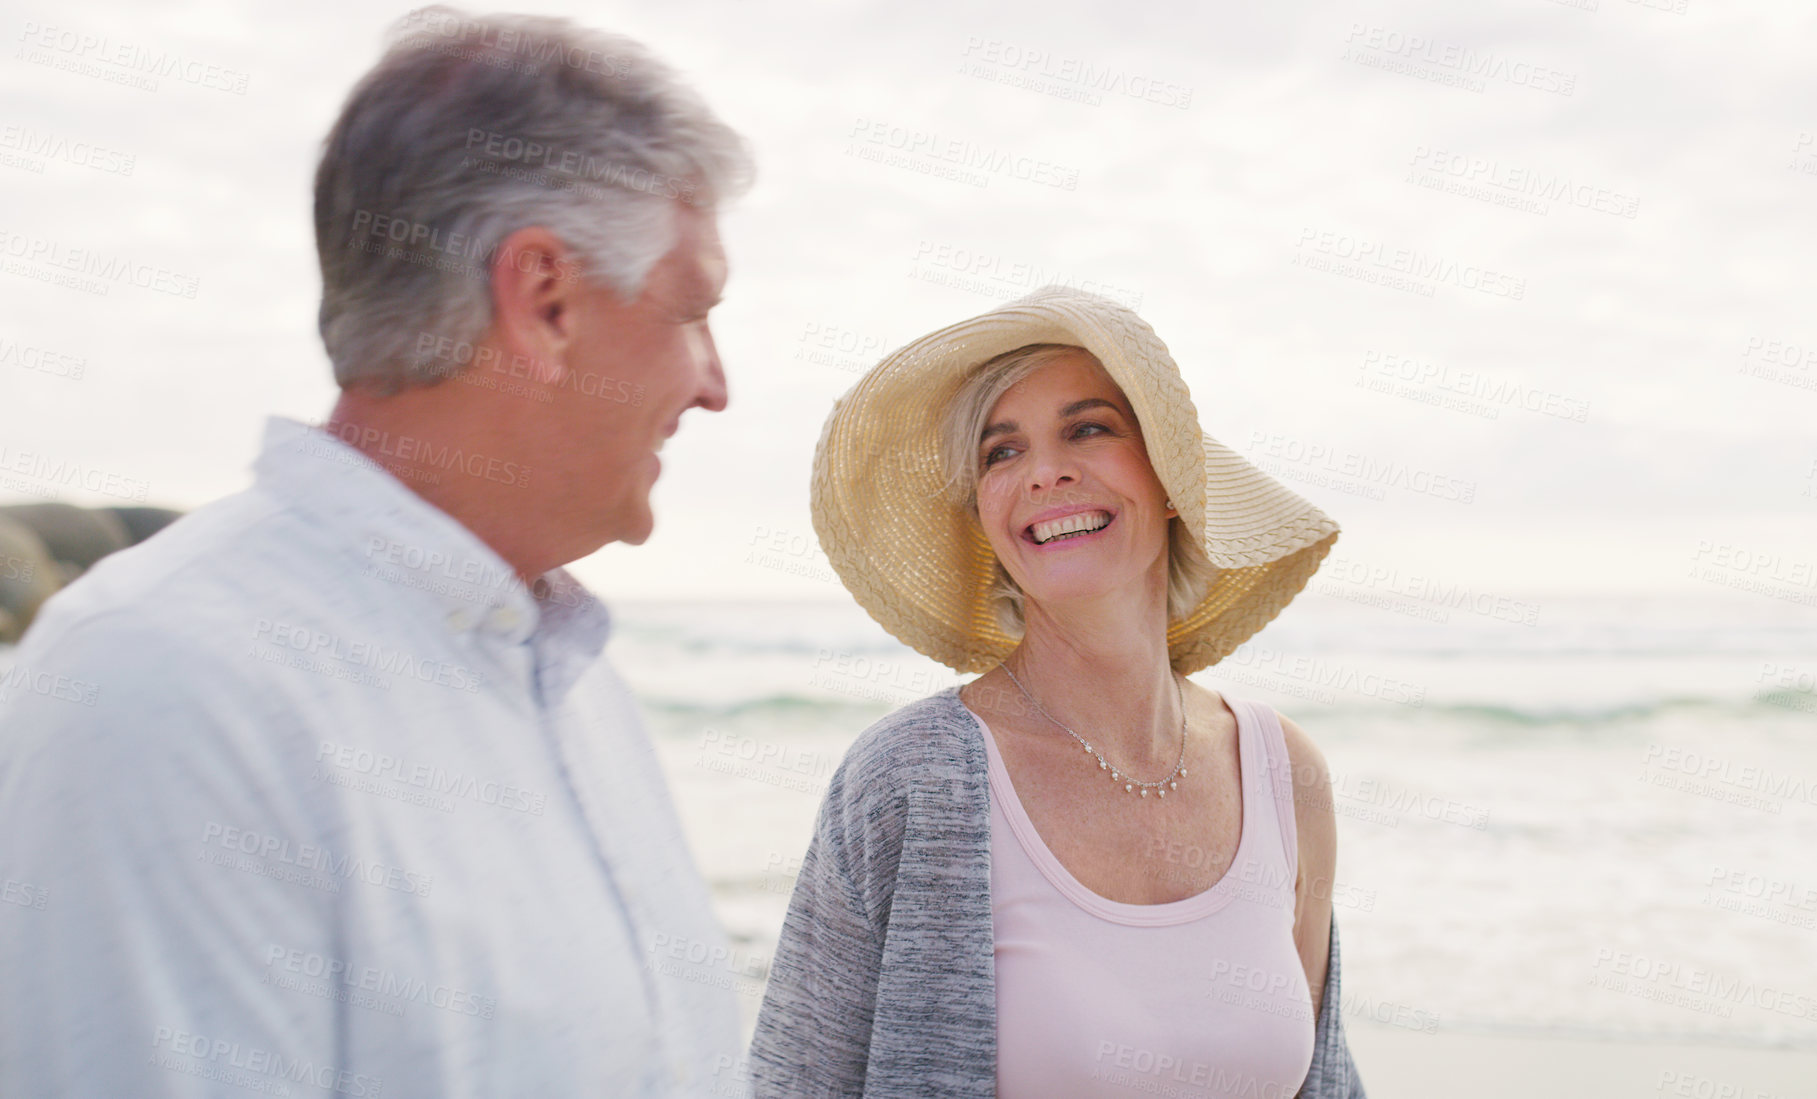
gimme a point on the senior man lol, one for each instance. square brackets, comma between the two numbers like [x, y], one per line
[344, 799]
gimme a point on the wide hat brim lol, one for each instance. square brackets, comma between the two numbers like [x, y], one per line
[923, 568]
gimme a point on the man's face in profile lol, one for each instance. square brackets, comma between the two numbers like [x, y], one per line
[637, 366]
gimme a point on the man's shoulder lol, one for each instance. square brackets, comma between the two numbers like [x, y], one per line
[196, 582]
[164, 630]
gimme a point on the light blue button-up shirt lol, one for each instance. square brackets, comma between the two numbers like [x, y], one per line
[309, 795]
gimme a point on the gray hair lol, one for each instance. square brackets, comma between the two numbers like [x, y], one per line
[1189, 572]
[470, 128]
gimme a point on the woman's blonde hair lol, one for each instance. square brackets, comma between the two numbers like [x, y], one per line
[1189, 572]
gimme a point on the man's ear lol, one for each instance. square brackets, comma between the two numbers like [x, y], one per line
[536, 287]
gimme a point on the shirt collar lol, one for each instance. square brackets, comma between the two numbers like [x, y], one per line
[394, 534]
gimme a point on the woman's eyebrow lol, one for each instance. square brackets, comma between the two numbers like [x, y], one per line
[1090, 402]
[1004, 427]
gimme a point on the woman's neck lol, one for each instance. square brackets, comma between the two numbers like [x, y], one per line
[1105, 672]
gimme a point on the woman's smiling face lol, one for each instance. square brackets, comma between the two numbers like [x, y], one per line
[1066, 494]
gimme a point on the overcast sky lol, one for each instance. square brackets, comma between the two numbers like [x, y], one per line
[1603, 349]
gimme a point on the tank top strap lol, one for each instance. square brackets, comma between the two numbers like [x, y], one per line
[1272, 782]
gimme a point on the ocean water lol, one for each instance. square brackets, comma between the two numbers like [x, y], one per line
[1567, 815]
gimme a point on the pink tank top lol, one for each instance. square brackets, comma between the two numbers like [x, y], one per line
[1201, 996]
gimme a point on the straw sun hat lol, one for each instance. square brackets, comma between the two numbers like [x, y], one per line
[923, 568]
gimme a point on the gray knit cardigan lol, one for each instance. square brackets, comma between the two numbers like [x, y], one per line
[883, 984]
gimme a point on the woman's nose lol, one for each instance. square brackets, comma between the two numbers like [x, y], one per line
[1049, 468]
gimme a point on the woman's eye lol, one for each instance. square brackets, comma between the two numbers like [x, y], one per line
[996, 454]
[1088, 426]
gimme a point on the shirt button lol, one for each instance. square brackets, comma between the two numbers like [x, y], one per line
[460, 619]
[504, 618]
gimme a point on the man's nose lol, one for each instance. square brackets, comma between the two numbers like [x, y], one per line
[714, 394]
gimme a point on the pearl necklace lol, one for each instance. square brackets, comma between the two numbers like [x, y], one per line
[1130, 785]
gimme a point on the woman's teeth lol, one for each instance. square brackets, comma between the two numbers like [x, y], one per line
[1082, 523]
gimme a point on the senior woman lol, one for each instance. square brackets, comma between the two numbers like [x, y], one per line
[1079, 874]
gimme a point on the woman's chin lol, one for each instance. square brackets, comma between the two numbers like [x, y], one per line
[1081, 577]
[1072, 584]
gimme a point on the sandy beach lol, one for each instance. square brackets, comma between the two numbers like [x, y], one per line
[1399, 1064]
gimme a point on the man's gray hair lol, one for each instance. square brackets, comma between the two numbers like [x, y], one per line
[471, 128]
